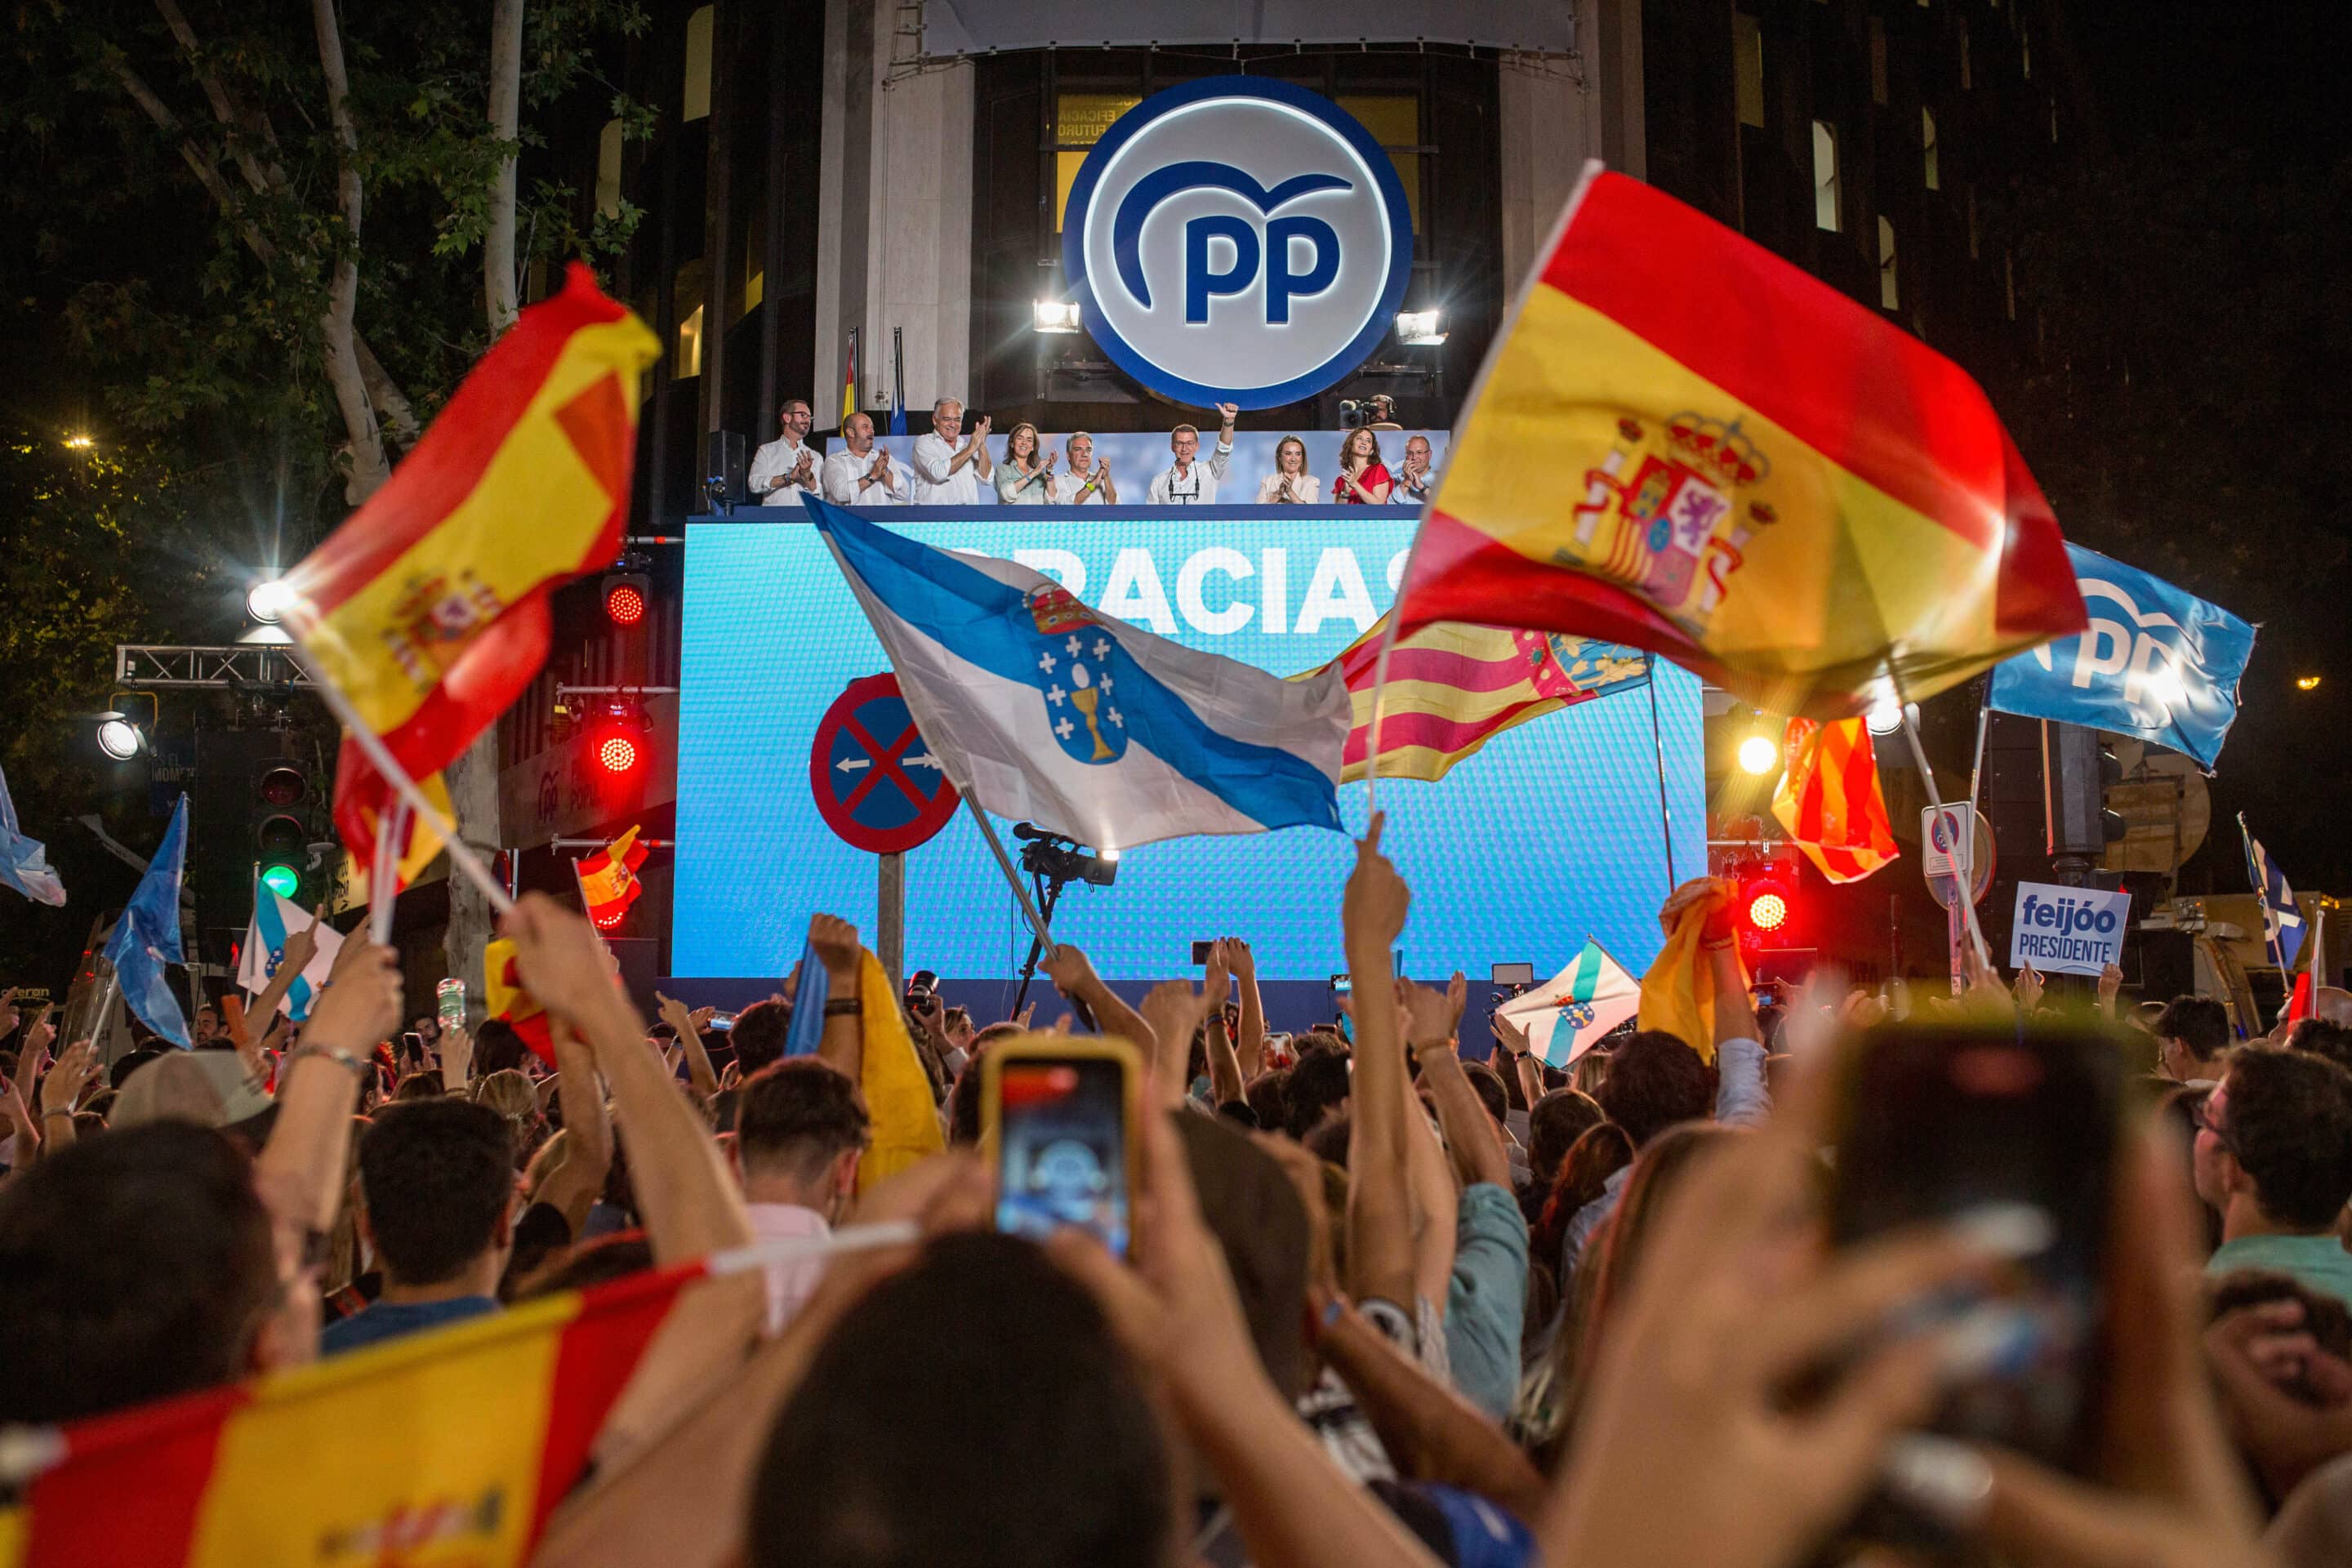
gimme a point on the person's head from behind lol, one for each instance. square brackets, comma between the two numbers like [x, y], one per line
[2323, 1038]
[860, 1468]
[498, 1048]
[1655, 1081]
[139, 1265]
[799, 1129]
[1598, 1153]
[516, 1100]
[2276, 1149]
[2191, 1033]
[1554, 1124]
[1269, 1096]
[1320, 1086]
[1488, 1084]
[759, 1036]
[436, 1179]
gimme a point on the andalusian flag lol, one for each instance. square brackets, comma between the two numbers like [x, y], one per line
[1452, 688]
[1683, 443]
[427, 609]
[1829, 799]
[1583, 1002]
[507, 999]
[608, 879]
[450, 1446]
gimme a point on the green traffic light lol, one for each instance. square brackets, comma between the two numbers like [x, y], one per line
[282, 880]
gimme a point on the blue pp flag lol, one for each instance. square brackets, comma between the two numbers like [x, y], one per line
[1044, 711]
[24, 862]
[2154, 663]
[2281, 919]
[147, 937]
[807, 1028]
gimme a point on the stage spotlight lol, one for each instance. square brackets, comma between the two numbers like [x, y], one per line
[119, 737]
[78, 442]
[1767, 910]
[616, 753]
[1420, 329]
[1758, 754]
[624, 602]
[1885, 716]
[268, 600]
[1767, 905]
[1054, 316]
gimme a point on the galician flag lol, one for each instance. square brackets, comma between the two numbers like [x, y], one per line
[147, 936]
[24, 862]
[277, 916]
[1583, 1002]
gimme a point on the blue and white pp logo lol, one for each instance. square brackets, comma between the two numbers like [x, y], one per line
[1237, 240]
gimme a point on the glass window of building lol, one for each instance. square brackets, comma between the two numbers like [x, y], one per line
[697, 102]
[1825, 176]
[1928, 146]
[1748, 66]
[1889, 297]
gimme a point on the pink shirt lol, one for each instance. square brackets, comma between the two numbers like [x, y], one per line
[790, 1285]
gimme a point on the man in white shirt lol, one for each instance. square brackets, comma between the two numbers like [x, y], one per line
[801, 1128]
[1088, 482]
[786, 467]
[1416, 482]
[1185, 482]
[863, 474]
[945, 473]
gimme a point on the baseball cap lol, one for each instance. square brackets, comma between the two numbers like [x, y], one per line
[210, 1088]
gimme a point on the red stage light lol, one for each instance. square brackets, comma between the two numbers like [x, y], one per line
[624, 602]
[618, 753]
[607, 923]
[1767, 910]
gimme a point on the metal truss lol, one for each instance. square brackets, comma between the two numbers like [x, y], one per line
[244, 666]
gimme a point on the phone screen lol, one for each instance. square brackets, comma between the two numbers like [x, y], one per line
[1940, 1120]
[1061, 1156]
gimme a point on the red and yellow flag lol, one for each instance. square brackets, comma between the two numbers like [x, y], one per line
[507, 999]
[427, 609]
[1829, 799]
[608, 879]
[452, 1446]
[1452, 688]
[1683, 443]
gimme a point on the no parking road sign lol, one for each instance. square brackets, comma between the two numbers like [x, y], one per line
[876, 782]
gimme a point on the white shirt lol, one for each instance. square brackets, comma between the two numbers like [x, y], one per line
[777, 458]
[790, 1285]
[1067, 486]
[845, 469]
[1402, 493]
[1198, 488]
[1304, 490]
[933, 485]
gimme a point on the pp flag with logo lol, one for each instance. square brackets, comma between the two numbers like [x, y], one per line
[1565, 1015]
[147, 936]
[2154, 662]
[1683, 443]
[1829, 799]
[427, 609]
[1040, 709]
[2281, 918]
[1454, 687]
[608, 879]
[275, 918]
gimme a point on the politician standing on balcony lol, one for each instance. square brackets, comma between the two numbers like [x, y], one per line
[1186, 482]
[945, 473]
[1362, 481]
[785, 468]
[1025, 478]
[1290, 484]
[863, 474]
[1088, 482]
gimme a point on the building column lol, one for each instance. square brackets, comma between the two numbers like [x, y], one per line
[1555, 113]
[894, 235]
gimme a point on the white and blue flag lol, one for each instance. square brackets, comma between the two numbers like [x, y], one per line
[2153, 662]
[2282, 918]
[147, 936]
[1045, 711]
[275, 918]
[24, 862]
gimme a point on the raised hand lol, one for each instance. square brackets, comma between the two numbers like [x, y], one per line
[1513, 1038]
[1373, 907]
[2111, 984]
[2028, 988]
[302, 946]
[1070, 969]
[1227, 413]
[1429, 1016]
[562, 958]
[61, 1090]
[1218, 980]
[836, 944]
[1241, 961]
[362, 1006]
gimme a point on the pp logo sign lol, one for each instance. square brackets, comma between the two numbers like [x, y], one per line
[1237, 240]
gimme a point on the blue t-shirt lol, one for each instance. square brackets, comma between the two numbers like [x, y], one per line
[391, 1320]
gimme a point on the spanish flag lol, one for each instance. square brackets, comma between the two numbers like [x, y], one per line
[608, 879]
[507, 999]
[446, 1448]
[1683, 443]
[849, 379]
[1829, 799]
[1452, 688]
[427, 609]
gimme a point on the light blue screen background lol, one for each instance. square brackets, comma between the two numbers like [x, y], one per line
[1548, 834]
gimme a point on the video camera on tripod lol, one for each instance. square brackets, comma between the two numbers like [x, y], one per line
[1055, 857]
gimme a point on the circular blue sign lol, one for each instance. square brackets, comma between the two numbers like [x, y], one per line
[876, 782]
[1237, 240]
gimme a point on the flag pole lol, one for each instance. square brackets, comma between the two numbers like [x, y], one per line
[1012, 876]
[461, 854]
[1658, 750]
[1963, 889]
[384, 872]
[2273, 929]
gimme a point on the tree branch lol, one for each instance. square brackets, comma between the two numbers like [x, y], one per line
[498, 291]
[368, 467]
[263, 177]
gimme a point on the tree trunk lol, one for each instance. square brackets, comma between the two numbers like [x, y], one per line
[364, 444]
[473, 778]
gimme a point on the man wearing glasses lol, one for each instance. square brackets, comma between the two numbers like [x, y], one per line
[2274, 1159]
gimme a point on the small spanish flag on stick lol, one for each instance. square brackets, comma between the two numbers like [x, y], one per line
[608, 879]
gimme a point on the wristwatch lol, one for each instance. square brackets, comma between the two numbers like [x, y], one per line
[360, 1066]
[844, 1007]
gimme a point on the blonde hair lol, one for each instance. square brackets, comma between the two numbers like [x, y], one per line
[1284, 445]
[512, 1095]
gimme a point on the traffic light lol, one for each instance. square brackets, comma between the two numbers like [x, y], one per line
[282, 832]
[258, 803]
[2078, 771]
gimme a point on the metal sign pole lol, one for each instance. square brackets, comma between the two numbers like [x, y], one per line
[890, 918]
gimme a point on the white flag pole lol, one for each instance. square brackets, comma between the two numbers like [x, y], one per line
[1963, 889]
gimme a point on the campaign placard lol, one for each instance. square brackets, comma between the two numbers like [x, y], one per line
[2067, 930]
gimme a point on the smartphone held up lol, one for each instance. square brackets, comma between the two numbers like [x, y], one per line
[1061, 1115]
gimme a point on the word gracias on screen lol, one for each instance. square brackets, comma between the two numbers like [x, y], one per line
[1220, 590]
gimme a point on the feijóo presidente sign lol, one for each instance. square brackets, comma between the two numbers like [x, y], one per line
[1237, 240]
[2068, 930]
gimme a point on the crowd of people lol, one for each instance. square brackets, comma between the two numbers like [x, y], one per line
[1384, 1304]
[949, 467]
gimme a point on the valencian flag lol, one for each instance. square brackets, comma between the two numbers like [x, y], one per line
[427, 609]
[450, 1446]
[1683, 443]
[608, 879]
[1829, 800]
[505, 998]
[1452, 688]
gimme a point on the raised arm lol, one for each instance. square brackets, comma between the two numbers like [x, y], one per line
[1074, 976]
[301, 946]
[699, 1070]
[300, 1174]
[1250, 1047]
[1470, 1137]
[843, 1043]
[1379, 1197]
[692, 1205]
[1171, 1010]
[572, 1188]
[1226, 1083]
